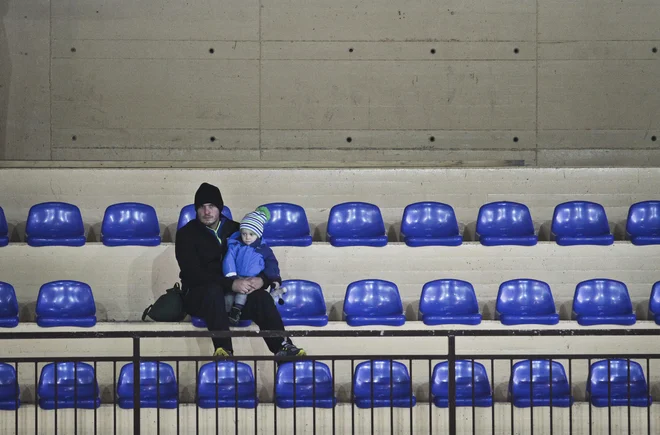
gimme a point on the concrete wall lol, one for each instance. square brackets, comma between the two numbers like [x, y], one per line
[552, 83]
[345, 419]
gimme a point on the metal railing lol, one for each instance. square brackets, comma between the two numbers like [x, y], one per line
[435, 414]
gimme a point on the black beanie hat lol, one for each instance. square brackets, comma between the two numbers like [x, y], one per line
[208, 194]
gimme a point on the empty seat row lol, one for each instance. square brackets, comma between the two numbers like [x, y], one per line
[74, 385]
[60, 303]
[353, 224]
[519, 301]
[376, 302]
[376, 383]
[498, 223]
[544, 383]
[61, 224]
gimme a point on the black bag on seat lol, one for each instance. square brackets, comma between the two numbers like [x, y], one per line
[168, 307]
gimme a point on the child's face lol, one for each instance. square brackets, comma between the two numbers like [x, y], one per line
[248, 237]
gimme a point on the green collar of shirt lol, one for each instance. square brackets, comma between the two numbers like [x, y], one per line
[216, 230]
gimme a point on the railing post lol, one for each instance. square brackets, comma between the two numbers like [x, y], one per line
[451, 354]
[136, 385]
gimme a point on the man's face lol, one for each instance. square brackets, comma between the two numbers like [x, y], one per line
[248, 237]
[208, 214]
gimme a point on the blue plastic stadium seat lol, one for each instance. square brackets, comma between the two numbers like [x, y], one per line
[526, 301]
[388, 386]
[130, 224]
[4, 229]
[464, 387]
[158, 387]
[304, 304]
[373, 302]
[541, 378]
[55, 224]
[75, 383]
[8, 306]
[198, 322]
[189, 213]
[66, 303]
[623, 376]
[430, 224]
[581, 223]
[603, 302]
[218, 387]
[313, 385]
[9, 389]
[643, 224]
[287, 226]
[654, 302]
[449, 301]
[505, 223]
[356, 224]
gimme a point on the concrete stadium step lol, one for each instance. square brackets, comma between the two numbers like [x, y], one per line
[343, 419]
[125, 280]
[360, 348]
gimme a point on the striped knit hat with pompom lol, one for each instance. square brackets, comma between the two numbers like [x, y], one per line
[255, 221]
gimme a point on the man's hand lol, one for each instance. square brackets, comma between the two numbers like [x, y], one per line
[256, 283]
[241, 285]
[247, 285]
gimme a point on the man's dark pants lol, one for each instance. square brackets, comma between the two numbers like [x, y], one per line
[209, 303]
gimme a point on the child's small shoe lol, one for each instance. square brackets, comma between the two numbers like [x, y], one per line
[234, 315]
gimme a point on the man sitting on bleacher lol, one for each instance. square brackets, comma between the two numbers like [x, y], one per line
[200, 247]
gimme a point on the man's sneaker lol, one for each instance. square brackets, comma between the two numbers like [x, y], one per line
[234, 315]
[222, 352]
[290, 350]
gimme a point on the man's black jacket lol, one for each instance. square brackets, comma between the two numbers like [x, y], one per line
[200, 255]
